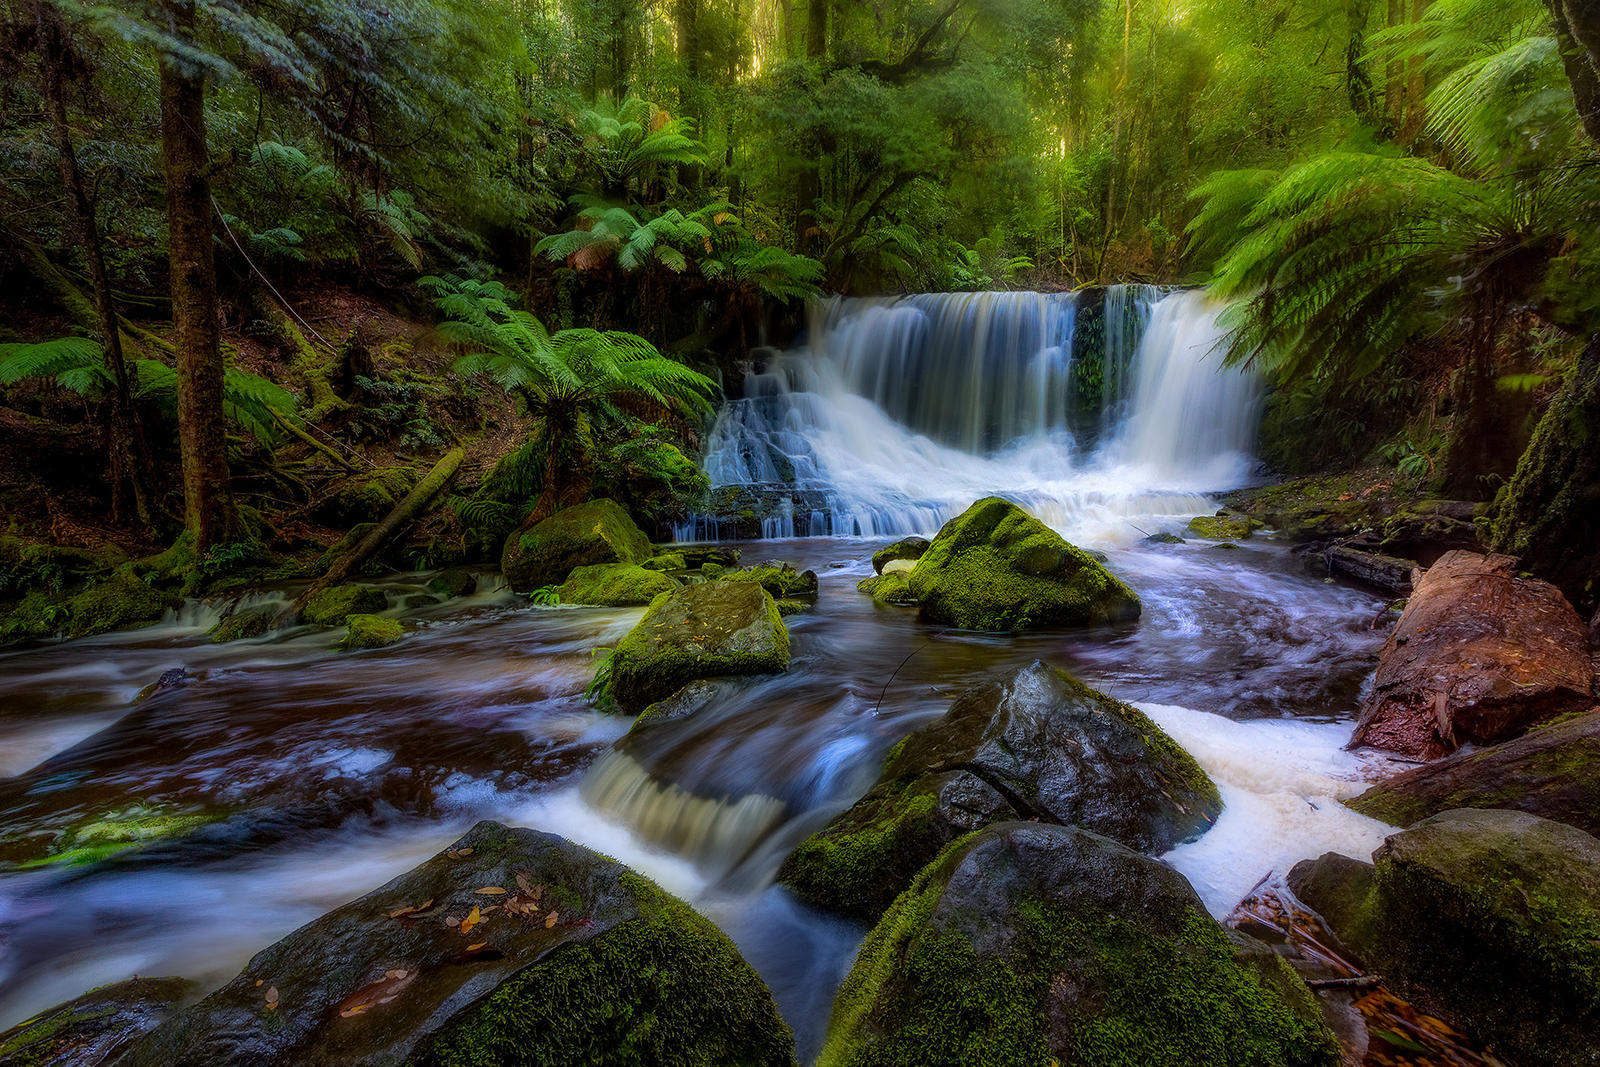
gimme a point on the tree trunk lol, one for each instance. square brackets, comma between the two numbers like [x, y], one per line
[1393, 75]
[1479, 434]
[1548, 515]
[816, 29]
[129, 455]
[1416, 85]
[209, 511]
[1580, 58]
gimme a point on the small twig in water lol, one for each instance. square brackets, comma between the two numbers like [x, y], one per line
[903, 662]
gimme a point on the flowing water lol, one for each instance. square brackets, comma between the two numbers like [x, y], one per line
[325, 773]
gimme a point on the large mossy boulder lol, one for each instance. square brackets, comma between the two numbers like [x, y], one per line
[1032, 743]
[241, 626]
[334, 605]
[1225, 525]
[512, 948]
[1552, 771]
[699, 631]
[599, 531]
[778, 578]
[995, 567]
[1028, 944]
[1479, 655]
[371, 631]
[1489, 919]
[614, 585]
[95, 1028]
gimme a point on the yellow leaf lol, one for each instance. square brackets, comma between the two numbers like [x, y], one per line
[474, 948]
[490, 891]
[473, 919]
[550, 920]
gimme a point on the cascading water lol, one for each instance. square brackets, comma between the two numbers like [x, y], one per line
[900, 412]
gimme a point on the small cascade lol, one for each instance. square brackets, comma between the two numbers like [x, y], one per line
[900, 412]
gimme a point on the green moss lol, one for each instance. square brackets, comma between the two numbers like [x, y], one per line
[614, 585]
[779, 579]
[793, 607]
[119, 601]
[1223, 527]
[921, 993]
[712, 569]
[855, 867]
[240, 626]
[600, 531]
[116, 832]
[371, 631]
[455, 582]
[905, 548]
[891, 588]
[698, 631]
[333, 605]
[996, 568]
[667, 988]
[666, 561]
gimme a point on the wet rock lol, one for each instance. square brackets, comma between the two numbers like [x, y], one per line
[1162, 538]
[455, 582]
[1489, 919]
[907, 548]
[1478, 655]
[599, 531]
[95, 1028]
[1322, 508]
[1032, 944]
[690, 700]
[787, 608]
[371, 631]
[334, 605]
[779, 579]
[102, 835]
[1424, 530]
[1225, 525]
[1552, 771]
[1032, 743]
[698, 631]
[568, 958]
[241, 625]
[1372, 567]
[172, 678]
[1336, 887]
[614, 585]
[891, 587]
[701, 556]
[667, 561]
[994, 567]
[120, 601]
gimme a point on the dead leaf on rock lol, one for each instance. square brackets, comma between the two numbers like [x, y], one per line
[490, 891]
[459, 853]
[272, 998]
[550, 920]
[411, 909]
[473, 919]
[376, 993]
[474, 948]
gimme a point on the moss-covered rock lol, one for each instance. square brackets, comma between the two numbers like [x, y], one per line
[240, 626]
[698, 631]
[1491, 920]
[454, 582]
[107, 834]
[335, 604]
[667, 561]
[368, 496]
[96, 1027]
[995, 567]
[779, 579]
[1029, 944]
[1323, 507]
[690, 700]
[371, 631]
[1223, 526]
[600, 531]
[1031, 743]
[907, 548]
[787, 608]
[892, 587]
[614, 585]
[569, 958]
[120, 601]
[1162, 538]
[1552, 771]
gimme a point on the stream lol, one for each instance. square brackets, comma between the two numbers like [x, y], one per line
[335, 771]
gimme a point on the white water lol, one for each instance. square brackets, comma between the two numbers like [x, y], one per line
[899, 413]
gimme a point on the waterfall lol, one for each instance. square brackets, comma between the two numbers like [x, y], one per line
[899, 412]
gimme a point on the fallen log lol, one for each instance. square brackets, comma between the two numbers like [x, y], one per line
[401, 516]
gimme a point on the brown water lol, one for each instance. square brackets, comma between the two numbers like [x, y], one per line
[330, 772]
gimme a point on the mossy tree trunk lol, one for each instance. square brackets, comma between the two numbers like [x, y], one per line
[209, 511]
[1548, 515]
[131, 467]
[1578, 39]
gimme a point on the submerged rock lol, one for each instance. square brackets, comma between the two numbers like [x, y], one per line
[513, 947]
[240, 626]
[995, 567]
[454, 582]
[907, 548]
[698, 631]
[1478, 655]
[1162, 538]
[891, 587]
[95, 1028]
[1223, 526]
[614, 585]
[1033, 743]
[1489, 919]
[1032, 944]
[371, 631]
[779, 579]
[599, 531]
[334, 605]
[1552, 771]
